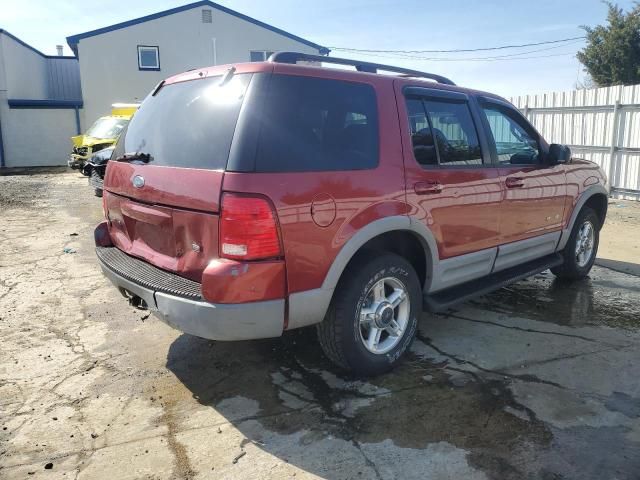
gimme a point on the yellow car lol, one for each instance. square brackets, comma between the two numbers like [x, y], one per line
[102, 134]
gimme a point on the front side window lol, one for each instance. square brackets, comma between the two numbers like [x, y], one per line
[443, 133]
[148, 58]
[316, 124]
[514, 145]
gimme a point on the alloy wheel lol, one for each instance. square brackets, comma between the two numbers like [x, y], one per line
[384, 315]
[584, 244]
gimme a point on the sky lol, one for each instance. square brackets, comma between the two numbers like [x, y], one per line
[377, 25]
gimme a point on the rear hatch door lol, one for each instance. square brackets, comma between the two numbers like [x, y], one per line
[163, 184]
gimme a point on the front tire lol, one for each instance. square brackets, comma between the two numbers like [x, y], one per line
[373, 316]
[581, 249]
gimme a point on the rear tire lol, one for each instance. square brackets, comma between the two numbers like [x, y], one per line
[581, 249]
[373, 316]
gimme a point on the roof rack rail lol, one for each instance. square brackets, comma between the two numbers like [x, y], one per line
[294, 57]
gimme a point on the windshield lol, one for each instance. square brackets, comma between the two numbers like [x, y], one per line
[107, 127]
[188, 124]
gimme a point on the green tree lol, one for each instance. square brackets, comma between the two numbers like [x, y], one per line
[612, 54]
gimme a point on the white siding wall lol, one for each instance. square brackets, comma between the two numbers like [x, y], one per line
[37, 137]
[109, 62]
[596, 129]
[25, 70]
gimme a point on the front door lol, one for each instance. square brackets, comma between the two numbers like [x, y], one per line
[535, 193]
[532, 209]
[452, 185]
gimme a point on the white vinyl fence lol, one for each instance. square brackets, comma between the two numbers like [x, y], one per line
[600, 124]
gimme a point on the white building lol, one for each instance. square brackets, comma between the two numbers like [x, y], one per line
[40, 104]
[44, 100]
[122, 62]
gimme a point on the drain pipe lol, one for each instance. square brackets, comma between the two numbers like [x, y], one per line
[78, 130]
[2, 163]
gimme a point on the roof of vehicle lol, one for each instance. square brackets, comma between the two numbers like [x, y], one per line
[320, 71]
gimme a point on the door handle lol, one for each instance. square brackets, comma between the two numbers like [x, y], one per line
[427, 188]
[514, 182]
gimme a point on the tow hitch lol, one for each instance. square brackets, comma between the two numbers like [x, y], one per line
[134, 300]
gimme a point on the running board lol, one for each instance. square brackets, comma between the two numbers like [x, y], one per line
[441, 301]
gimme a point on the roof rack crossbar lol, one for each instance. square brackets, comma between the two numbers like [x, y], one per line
[294, 57]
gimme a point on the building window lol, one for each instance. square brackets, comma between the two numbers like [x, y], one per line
[207, 16]
[260, 55]
[148, 58]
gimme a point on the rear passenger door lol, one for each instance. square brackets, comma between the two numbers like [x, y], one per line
[452, 185]
[535, 192]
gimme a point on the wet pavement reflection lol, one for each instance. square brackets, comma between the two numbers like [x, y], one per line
[604, 298]
[447, 405]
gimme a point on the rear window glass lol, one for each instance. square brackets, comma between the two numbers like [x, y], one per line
[454, 132]
[443, 133]
[424, 148]
[314, 124]
[188, 124]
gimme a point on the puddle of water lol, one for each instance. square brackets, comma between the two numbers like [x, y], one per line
[604, 298]
[421, 403]
[414, 406]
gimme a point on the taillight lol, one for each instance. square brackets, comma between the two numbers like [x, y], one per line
[248, 228]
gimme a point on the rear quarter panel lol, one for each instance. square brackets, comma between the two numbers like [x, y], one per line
[358, 197]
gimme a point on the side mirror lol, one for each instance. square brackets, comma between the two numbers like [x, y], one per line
[559, 154]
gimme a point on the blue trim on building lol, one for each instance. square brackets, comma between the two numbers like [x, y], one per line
[33, 49]
[27, 103]
[73, 40]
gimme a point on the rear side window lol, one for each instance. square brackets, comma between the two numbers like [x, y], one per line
[313, 124]
[188, 124]
[424, 149]
[443, 132]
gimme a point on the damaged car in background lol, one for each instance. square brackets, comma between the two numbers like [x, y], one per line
[102, 134]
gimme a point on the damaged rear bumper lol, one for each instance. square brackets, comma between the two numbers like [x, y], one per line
[177, 302]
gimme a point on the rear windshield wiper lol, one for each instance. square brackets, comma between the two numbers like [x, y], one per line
[130, 157]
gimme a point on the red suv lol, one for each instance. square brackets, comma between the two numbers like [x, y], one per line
[246, 200]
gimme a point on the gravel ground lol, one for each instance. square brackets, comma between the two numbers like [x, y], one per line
[536, 381]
